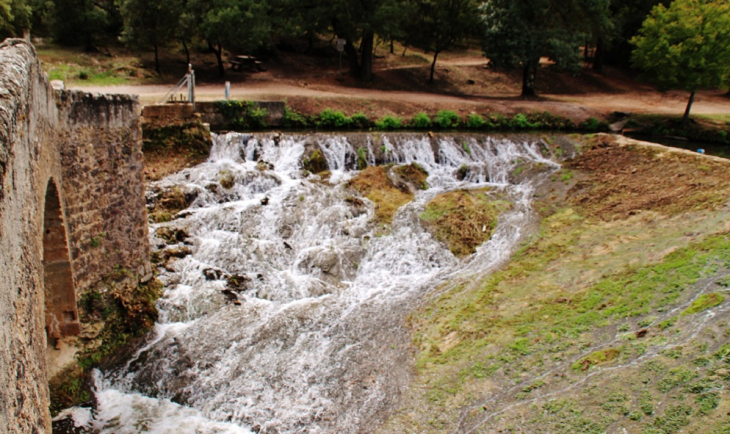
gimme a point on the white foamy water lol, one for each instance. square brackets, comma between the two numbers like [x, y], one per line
[316, 340]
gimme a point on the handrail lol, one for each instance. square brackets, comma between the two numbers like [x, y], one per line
[189, 80]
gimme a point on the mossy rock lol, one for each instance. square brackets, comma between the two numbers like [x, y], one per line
[414, 174]
[463, 219]
[373, 183]
[189, 137]
[315, 163]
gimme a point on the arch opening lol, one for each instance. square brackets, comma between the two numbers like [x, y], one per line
[62, 317]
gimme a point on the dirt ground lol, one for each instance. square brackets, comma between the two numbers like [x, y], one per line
[463, 82]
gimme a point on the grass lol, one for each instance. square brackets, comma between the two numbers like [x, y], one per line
[75, 66]
[463, 219]
[704, 302]
[413, 173]
[373, 183]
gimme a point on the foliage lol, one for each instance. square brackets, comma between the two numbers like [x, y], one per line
[192, 138]
[438, 25]
[420, 121]
[517, 34]
[333, 119]
[446, 119]
[475, 121]
[362, 160]
[389, 123]
[685, 46]
[151, 23]
[242, 115]
[293, 119]
[359, 120]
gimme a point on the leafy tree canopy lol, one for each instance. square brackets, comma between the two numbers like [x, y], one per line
[685, 46]
[519, 33]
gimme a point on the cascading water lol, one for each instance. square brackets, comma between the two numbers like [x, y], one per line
[313, 340]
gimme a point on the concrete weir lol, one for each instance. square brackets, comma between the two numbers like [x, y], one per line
[72, 212]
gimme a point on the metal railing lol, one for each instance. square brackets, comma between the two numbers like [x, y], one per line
[189, 81]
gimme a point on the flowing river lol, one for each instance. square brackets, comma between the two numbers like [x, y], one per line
[313, 339]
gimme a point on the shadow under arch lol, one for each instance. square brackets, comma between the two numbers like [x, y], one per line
[62, 318]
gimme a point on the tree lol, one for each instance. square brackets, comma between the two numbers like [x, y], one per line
[519, 33]
[685, 46]
[233, 24]
[440, 24]
[14, 18]
[85, 22]
[151, 23]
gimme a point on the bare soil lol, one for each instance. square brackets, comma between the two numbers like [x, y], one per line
[463, 82]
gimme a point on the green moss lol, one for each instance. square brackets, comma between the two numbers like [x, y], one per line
[704, 302]
[415, 174]
[315, 163]
[188, 137]
[596, 358]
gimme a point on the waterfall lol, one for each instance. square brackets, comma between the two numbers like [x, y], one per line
[315, 339]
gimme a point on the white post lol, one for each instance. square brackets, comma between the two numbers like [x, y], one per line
[228, 90]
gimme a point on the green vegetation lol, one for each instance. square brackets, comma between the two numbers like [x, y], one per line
[463, 219]
[242, 115]
[189, 137]
[126, 311]
[420, 121]
[704, 302]
[389, 123]
[446, 119]
[315, 162]
[413, 173]
[596, 358]
[685, 46]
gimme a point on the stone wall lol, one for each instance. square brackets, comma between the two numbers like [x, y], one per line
[83, 153]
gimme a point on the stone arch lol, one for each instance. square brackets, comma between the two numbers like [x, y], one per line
[62, 318]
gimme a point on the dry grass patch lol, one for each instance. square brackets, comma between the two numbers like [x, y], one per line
[374, 184]
[463, 219]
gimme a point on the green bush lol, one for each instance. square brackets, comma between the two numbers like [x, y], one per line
[242, 114]
[549, 121]
[257, 118]
[496, 121]
[359, 120]
[420, 121]
[293, 119]
[329, 118]
[389, 123]
[362, 159]
[520, 122]
[475, 121]
[590, 124]
[446, 119]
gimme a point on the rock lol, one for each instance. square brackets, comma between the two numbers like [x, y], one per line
[172, 235]
[265, 201]
[58, 85]
[176, 252]
[237, 282]
[263, 165]
[213, 274]
[230, 295]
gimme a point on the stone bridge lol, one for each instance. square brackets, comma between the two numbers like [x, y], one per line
[72, 212]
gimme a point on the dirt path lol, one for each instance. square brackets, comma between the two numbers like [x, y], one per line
[575, 106]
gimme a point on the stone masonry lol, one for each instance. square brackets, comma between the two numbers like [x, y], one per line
[72, 212]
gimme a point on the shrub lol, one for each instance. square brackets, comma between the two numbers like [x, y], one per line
[520, 122]
[420, 121]
[389, 123]
[293, 119]
[257, 118]
[497, 121]
[475, 121]
[590, 124]
[242, 114]
[446, 119]
[329, 118]
[362, 160]
[359, 120]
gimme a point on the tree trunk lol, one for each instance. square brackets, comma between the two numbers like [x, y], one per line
[433, 66]
[218, 50]
[406, 48]
[366, 64]
[391, 46]
[187, 52]
[598, 57]
[157, 60]
[685, 119]
[352, 60]
[528, 79]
